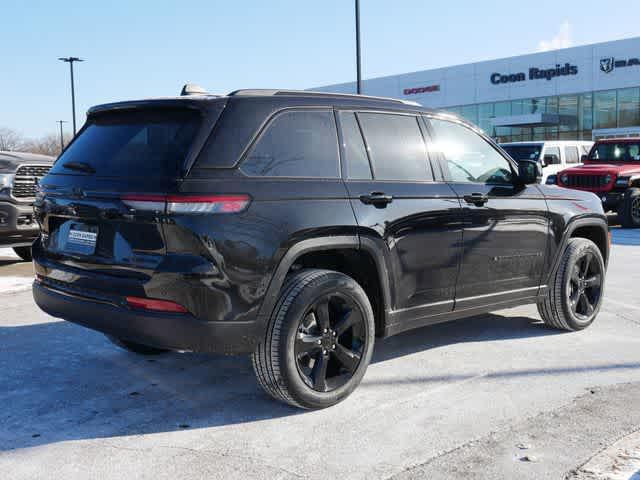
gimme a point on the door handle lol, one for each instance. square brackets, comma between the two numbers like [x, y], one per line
[377, 199]
[477, 199]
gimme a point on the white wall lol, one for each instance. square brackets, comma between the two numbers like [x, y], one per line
[470, 84]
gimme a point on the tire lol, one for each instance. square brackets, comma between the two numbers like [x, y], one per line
[24, 253]
[289, 363]
[135, 347]
[629, 213]
[580, 277]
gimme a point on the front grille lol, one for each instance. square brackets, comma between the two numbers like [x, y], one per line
[26, 180]
[586, 181]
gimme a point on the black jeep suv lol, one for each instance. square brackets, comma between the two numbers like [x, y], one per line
[300, 226]
[19, 175]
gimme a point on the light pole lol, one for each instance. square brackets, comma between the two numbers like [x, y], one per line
[70, 61]
[358, 73]
[61, 135]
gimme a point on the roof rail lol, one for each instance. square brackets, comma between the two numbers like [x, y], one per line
[259, 92]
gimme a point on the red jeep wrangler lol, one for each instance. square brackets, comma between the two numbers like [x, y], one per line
[611, 171]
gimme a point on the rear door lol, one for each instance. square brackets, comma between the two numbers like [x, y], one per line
[505, 226]
[89, 207]
[403, 208]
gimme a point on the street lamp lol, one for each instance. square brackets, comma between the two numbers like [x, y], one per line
[358, 73]
[61, 136]
[70, 61]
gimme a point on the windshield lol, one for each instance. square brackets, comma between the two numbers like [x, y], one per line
[133, 144]
[616, 152]
[523, 152]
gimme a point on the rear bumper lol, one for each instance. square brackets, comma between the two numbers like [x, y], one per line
[161, 330]
[17, 225]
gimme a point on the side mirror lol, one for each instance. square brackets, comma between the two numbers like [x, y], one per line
[529, 172]
[584, 158]
[550, 159]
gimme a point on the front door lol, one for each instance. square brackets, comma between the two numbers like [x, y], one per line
[505, 225]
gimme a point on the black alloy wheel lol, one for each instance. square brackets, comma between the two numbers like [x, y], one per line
[319, 340]
[330, 342]
[574, 294]
[585, 286]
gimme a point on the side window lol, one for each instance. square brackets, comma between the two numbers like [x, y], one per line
[571, 154]
[355, 153]
[296, 144]
[470, 158]
[396, 147]
[553, 151]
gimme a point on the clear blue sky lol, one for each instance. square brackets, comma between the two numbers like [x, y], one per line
[147, 48]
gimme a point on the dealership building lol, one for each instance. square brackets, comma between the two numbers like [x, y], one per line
[578, 93]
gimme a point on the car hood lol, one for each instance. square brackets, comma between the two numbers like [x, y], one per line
[604, 168]
[10, 161]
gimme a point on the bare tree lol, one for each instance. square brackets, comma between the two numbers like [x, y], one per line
[47, 145]
[10, 140]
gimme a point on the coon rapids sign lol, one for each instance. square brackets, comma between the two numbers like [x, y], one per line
[535, 74]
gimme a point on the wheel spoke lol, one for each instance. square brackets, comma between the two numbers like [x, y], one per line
[575, 296]
[347, 358]
[351, 317]
[586, 264]
[588, 308]
[593, 281]
[322, 314]
[307, 343]
[319, 372]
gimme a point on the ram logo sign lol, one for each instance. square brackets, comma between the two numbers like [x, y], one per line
[608, 64]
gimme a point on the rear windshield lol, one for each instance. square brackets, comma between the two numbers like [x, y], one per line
[523, 152]
[133, 144]
[617, 152]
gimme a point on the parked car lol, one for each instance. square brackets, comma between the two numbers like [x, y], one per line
[297, 227]
[552, 155]
[611, 170]
[19, 175]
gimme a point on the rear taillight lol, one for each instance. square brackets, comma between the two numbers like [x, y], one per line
[187, 204]
[155, 305]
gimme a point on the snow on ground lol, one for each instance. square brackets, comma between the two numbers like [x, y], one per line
[7, 253]
[14, 284]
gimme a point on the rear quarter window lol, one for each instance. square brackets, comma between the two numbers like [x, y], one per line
[151, 143]
[296, 143]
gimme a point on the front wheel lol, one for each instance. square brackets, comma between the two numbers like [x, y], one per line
[576, 291]
[629, 213]
[319, 340]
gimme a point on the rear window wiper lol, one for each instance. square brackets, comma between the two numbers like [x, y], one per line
[80, 166]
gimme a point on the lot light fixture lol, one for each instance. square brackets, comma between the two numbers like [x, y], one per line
[70, 61]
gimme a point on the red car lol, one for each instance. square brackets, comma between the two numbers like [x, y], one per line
[611, 171]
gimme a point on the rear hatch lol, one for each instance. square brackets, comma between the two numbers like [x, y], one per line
[103, 206]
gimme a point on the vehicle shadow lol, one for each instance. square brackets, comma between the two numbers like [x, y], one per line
[61, 382]
[9, 261]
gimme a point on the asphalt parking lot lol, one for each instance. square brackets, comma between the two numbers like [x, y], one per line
[498, 396]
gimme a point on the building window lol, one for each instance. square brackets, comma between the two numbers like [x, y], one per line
[470, 113]
[629, 107]
[485, 114]
[568, 108]
[585, 117]
[604, 109]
